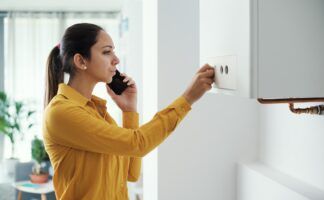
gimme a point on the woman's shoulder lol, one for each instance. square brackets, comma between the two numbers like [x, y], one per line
[59, 103]
[58, 100]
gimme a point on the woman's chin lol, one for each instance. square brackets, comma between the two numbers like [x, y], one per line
[109, 80]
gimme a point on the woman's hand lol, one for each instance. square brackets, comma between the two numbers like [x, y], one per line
[127, 101]
[201, 83]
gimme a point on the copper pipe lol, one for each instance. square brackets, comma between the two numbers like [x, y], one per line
[290, 100]
[314, 110]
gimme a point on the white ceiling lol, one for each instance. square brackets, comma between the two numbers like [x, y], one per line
[61, 5]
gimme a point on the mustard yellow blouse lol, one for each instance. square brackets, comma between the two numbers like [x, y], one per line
[92, 157]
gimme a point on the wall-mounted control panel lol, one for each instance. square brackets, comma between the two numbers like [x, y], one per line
[225, 72]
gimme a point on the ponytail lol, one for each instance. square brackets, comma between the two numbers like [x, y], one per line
[54, 74]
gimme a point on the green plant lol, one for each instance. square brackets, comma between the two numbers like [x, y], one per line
[15, 118]
[39, 154]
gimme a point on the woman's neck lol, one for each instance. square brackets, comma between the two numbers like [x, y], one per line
[83, 86]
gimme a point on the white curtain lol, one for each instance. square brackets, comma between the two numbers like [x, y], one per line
[29, 37]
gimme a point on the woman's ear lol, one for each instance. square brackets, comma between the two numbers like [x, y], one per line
[79, 62]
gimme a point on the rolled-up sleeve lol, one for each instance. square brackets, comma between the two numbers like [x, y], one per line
[72, 126]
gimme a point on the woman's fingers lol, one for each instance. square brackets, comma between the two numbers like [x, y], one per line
[128, 80]
[131, 82]
[201, 83]
[209, 73]
[205, 68]
[126, 77]
[208, 81]
[206, 77]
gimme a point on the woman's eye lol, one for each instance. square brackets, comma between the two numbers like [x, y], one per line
[106, 52]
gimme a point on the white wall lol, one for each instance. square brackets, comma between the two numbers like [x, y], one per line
[150, 61]
[258, 181]
[293, 144]
[199, 160]
[225, 30]
[291, 157]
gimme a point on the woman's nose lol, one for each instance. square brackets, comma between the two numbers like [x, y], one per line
[116, 60]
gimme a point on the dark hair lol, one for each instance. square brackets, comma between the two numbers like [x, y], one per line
[78, 38]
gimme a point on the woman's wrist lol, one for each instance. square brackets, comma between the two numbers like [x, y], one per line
[187, 97]
[130, 109]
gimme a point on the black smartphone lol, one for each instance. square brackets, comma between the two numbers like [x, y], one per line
[117, 85]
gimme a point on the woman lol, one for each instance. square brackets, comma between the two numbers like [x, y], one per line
[92, 157]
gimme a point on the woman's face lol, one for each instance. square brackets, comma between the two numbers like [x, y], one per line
[102, 65]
